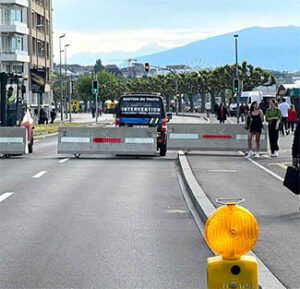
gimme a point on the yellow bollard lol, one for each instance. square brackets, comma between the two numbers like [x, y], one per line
[231, 231]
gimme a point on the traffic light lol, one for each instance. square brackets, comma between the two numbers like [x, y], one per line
[236, 85]
[95, 86]
[147, 67]
[231, 231]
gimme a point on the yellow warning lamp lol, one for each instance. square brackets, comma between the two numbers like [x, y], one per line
[231, 231]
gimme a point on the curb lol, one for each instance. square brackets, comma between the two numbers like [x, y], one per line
[205, 208]
[42, 136]
[195, 116]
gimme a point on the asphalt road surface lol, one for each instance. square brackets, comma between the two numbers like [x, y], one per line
[97, 222]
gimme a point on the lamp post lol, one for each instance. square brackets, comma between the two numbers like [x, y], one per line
[60, 77]
[66, 80]
[236, 36]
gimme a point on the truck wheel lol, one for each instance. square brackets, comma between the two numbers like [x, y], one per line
[30, 146]
[163, 150]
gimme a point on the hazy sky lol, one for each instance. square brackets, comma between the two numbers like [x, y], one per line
[127, 25]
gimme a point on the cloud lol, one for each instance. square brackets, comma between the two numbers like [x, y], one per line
[109, 41]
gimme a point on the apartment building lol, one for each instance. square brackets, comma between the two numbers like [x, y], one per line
[26, 40]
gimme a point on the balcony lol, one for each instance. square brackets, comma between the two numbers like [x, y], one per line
[14, 27]
[14, 56]
[23, 3]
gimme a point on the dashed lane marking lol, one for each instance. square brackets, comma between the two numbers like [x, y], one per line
[282, 165]
[5, 196]
[222, 171]
[40, 174]
[266, 156]
[63, 161]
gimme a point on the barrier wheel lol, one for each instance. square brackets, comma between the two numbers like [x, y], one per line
[77, 156]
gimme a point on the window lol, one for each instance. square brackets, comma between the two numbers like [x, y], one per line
[17, 68]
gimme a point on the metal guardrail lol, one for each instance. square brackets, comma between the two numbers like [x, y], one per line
[211, 137]
[94, 140]
[13, 141]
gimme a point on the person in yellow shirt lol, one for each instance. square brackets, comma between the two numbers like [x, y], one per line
[11, 99]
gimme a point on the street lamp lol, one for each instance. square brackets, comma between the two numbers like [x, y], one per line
[60, 76]
[66, 108]
[236, 36]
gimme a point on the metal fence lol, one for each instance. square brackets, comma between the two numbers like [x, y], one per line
[211, 137]
[13, 140]
[93, 140]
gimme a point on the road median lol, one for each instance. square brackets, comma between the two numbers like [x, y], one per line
[204, 207]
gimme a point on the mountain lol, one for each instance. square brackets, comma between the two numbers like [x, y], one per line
[275, 48]
[116, 57]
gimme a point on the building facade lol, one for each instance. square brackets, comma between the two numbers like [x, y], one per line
[26, 40]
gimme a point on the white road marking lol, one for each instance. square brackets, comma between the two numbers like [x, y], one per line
[222, 171]
[63, 161]
[264, 168]
[5, 196]
[40, 174]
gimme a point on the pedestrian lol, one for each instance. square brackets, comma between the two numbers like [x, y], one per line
[296, 146]
[242, 112]
[93, 111]
[273, 117]
[53, 115]
[216, 107]
[254, 124]
[222, 113]
[263, 106]
[292, 118]
[284, 108]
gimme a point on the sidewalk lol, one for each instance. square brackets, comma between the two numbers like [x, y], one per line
[87, 117]
[275, 208]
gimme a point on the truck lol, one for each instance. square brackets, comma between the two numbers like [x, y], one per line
[144, 110]
[247, 98]
[14, 111]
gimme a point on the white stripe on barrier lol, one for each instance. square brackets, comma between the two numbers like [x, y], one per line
[75, 140]
[245, 137]
[139, 140]
[184, 136]
[11, 140]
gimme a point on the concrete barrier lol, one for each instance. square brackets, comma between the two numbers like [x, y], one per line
[94, 140]
[211, 137]
[13, 140]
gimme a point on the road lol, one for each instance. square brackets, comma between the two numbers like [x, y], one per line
[107, 222]
[99, 222]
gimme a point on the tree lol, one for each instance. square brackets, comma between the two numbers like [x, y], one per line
[98, 66]
[83, 89]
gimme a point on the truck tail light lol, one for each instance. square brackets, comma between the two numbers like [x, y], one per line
[117, 121]
[164, 125]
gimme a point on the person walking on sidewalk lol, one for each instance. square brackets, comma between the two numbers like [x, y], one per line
[273, 117]
[284, 108]
[222, 113]
[292, 118]
[254, 124]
